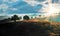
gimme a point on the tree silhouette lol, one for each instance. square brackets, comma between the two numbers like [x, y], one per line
[9, 19]
[15, 17]
[39, 15]
[20, 17]
[31, 17]
[26, 17]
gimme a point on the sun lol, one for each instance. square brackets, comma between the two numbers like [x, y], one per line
[51, 11]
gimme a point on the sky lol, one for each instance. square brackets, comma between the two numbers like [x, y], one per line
[22, 6]
[18, 7]
[10, 7]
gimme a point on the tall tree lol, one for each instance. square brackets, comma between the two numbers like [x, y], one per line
[26, 17]
[15, 17]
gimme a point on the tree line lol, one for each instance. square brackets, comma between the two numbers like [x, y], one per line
[15, 17]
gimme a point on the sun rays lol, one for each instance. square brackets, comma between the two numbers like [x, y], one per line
[51, 10]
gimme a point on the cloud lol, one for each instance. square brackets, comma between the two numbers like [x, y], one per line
[14, 9]
[55, 1]
[14, 0]
[44, 6]
[31, 2]
[55, 4]
[3, 8]
[5, 0]
[38, 2]
[10, 1]
[35, 2]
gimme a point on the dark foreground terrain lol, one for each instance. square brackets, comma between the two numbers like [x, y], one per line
[26, 29]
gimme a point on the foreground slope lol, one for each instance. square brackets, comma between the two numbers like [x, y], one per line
[28, 28]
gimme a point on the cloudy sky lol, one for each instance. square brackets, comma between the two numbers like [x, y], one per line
[22, 6]
[19, 6]
[9, 7]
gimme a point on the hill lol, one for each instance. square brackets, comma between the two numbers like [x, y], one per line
[28, 28]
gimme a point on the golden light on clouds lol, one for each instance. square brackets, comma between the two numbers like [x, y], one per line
[51, 10]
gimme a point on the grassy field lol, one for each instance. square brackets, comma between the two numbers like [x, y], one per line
[23, 28]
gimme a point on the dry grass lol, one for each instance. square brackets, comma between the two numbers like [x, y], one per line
[33, 26]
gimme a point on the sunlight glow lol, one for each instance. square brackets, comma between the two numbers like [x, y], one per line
[51, 10]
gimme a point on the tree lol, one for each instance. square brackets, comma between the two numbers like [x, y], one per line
[15, 17]
[26, 17]
[20, 17]
[35, 17]
[39, 15]
[9, 19]
[31, 17]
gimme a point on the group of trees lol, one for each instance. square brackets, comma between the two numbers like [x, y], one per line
[15, 17]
